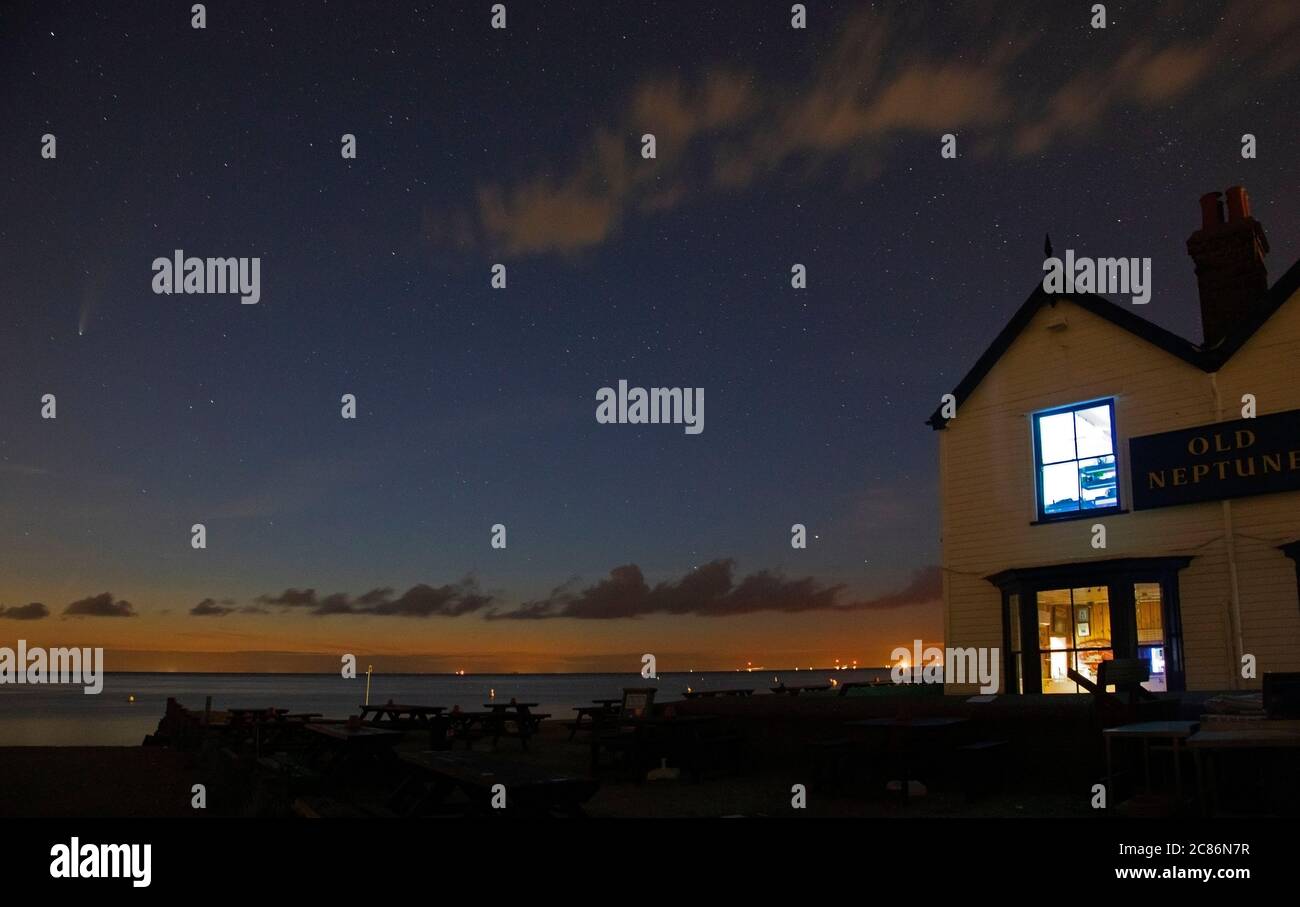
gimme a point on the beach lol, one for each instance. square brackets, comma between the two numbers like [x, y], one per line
[131, 703]
[780, 736]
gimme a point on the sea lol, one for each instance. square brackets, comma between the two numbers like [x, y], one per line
[130, 704]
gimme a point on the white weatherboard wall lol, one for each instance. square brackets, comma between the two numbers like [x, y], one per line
[1268, 366]
[987, 486]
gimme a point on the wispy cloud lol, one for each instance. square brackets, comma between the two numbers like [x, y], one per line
[888, 75]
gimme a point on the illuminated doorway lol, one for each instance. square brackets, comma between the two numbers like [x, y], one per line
[1071, 618]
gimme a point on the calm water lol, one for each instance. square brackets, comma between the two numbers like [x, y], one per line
[58, 715]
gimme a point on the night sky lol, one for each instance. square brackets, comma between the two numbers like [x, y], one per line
[476, 406]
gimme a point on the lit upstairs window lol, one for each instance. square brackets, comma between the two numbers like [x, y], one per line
[1074, 457]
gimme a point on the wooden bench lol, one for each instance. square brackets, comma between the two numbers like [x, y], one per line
[598, 717]
[395, 715]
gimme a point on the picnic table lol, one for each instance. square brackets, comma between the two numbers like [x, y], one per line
[249, 715]
[688, 740]
[903, 730]
[710, 694]
[857, 684]
[1176, 733]
[598, 715]
[356, 737]
[340, 749]
[1204, 744]
[496, 721]
[264, 727]
[805, 688]
[531, 789]
[394, 713]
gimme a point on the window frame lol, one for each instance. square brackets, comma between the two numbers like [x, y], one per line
[1020, 588]
[1035, 419]
[1073, 650]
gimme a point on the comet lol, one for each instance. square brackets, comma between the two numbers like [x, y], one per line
[92, 287]
[84, 318]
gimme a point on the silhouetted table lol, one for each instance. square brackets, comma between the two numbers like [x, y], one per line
[906, 728]
[492, 723]
[796, 690]
[341, 748]
[686, 738]
[598, 715]
[530, 788]
[363, 737]
[1204, 744]
[396, 714]
[1175, 732]
[241, 715]
[710, 694]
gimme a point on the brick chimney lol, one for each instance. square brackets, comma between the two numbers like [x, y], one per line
[1229, 255]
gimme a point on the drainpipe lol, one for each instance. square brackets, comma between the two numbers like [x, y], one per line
[1238, 646]
[943, 548]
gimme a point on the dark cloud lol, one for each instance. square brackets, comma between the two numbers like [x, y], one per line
[711, 591]
[419, 601]
[426, 601]
[34, 611]
[101, 605]
[291, 598]
[708, 591]
[210, 608]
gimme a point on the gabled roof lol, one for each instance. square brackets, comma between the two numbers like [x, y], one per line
[1207, 359]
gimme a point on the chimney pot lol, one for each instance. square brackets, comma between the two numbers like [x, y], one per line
[1238, 204]
[1211, 210]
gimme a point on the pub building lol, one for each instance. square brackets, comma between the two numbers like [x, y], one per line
[1083, 413]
